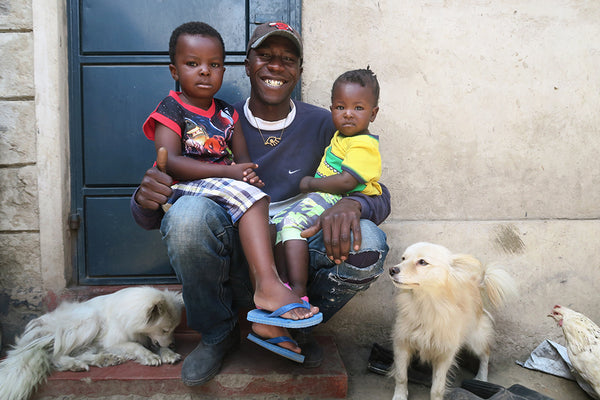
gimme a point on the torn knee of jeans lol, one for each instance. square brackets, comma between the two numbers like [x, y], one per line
[363, 260]
[363, 282]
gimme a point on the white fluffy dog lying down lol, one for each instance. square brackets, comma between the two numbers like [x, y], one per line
[442, 307]
[103, 331]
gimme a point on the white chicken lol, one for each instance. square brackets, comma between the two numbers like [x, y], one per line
[582, 336]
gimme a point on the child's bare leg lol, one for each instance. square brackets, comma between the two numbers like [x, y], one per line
[296, 259]
[280, 262]
[269, 292]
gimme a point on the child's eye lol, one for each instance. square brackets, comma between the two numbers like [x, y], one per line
[191, 64]
[215, 65]
[359, 108]
[339, 108]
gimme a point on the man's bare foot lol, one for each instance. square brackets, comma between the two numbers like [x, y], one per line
[270, 332]
[275, 295]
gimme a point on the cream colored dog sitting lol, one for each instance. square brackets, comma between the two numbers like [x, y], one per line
[441, 308]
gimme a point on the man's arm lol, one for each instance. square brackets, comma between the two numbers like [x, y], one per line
[344, 217]
[154, 190]
[374, 208]
[144, 217]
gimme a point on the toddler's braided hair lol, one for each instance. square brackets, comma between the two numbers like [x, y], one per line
[364, 77]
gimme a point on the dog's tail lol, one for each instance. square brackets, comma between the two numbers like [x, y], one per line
[25, 367]
[498, 286]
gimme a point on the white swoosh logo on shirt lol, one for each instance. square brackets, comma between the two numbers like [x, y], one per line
[293, 172]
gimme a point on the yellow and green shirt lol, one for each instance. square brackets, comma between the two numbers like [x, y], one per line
[358, 155]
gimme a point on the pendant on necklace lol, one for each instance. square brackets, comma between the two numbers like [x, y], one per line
[272, 141]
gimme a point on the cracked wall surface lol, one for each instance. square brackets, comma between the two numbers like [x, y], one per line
[21, 286]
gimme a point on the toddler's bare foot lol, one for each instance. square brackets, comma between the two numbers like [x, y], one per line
[299, 290]
[275, 295]
[270, 332]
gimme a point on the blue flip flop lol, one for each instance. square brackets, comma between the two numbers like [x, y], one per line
[273, 318]
[271, 345]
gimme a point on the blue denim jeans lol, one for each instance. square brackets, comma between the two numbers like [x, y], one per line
[205, 252]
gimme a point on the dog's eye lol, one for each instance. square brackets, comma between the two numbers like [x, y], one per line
[422, 262]
[403, 258]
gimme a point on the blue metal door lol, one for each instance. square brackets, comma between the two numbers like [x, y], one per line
[118, 58]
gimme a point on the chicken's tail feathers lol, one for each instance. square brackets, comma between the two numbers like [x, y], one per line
[24, 368]
[498, 286]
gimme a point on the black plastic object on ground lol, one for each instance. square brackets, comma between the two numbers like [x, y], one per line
[487, 390]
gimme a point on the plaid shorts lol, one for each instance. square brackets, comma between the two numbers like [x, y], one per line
[236, 197]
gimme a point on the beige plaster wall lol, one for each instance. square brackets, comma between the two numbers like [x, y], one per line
[489, 131]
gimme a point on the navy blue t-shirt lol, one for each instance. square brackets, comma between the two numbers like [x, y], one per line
[298, 153]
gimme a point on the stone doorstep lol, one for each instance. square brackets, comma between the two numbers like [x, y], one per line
[251, 371]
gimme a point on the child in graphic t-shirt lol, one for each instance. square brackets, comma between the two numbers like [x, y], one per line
[207, 154]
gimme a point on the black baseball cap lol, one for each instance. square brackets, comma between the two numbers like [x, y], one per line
[263, 31]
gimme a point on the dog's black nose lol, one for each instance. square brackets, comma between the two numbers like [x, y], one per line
[394, 271]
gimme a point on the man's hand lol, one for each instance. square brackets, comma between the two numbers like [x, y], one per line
[155, 188]
[337, 223]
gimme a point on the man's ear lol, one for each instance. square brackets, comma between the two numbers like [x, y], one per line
[246, 65]
[173, 71]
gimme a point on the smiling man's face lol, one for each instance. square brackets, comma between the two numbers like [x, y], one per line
[274, 69]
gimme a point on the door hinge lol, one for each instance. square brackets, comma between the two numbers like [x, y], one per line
[74, 221]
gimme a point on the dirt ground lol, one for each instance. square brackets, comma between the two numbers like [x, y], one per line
[364, 384]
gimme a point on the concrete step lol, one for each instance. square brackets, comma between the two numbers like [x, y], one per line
[250, 372]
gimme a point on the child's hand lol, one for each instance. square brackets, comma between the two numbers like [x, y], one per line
[253, 179]
[305, 184]
[246, 173]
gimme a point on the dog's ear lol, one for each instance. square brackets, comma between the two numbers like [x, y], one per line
[466, 262]
[155, 311]
[179, 298]
[175, 298]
